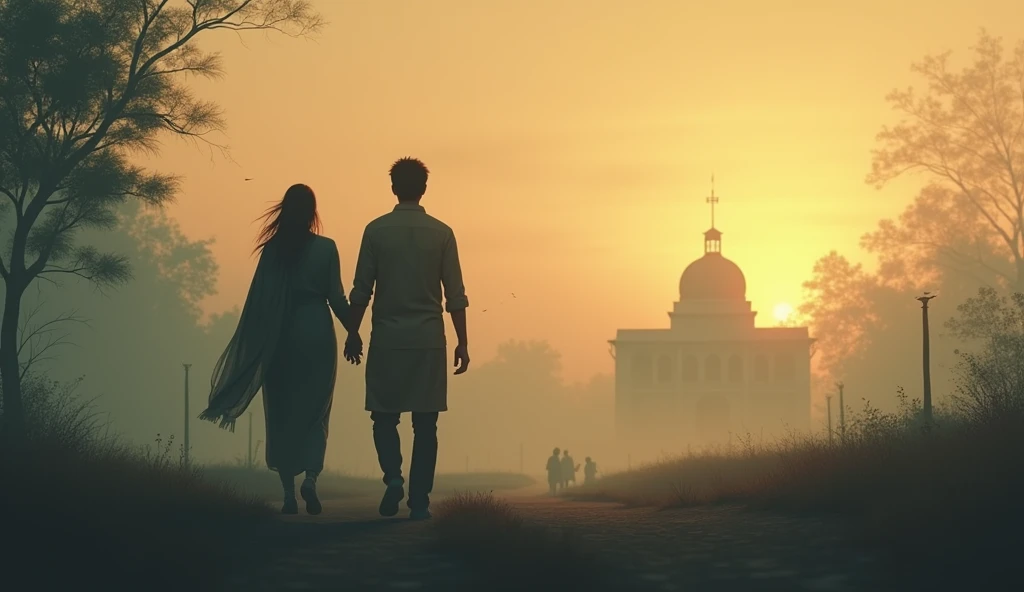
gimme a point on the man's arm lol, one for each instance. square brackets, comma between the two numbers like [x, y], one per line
[362, 284]
[459, 322]
[456, 301]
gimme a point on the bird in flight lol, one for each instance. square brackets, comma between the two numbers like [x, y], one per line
[249, 179]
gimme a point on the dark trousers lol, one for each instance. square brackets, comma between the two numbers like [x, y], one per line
[424, 453]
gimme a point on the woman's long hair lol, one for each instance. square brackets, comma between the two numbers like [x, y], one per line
[290, 223]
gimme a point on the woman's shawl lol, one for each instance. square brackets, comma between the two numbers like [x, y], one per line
[239, 372]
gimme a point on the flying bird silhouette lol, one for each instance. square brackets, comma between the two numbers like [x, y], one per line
[249, 179]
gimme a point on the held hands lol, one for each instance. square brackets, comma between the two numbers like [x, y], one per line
[461, 358]
[354, 348]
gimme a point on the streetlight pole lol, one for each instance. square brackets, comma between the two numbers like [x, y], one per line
[842, 412]
[926, 362]
[186, 442]
[248, 449]
[828, 407]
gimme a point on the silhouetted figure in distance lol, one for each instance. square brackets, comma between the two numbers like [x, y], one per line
[409, 256]
[554, 469]
[589, 471]
[285, 344]
[569, 469]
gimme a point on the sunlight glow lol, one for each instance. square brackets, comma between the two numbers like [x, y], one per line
[782, 312]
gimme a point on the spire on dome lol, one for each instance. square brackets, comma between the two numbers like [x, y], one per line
[711, 199]
[713, 237]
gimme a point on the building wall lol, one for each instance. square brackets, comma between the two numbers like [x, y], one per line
[678, 391]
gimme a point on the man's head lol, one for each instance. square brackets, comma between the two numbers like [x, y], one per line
[588, 459]
[409, 179]
[566, 453]
[556, 452]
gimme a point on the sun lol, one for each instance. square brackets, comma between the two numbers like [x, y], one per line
[783, 311]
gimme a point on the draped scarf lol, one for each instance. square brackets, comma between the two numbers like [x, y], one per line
[240, 370]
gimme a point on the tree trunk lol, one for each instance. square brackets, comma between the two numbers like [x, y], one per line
[13, 428]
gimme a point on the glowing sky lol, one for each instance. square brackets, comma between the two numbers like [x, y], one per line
[572, 143]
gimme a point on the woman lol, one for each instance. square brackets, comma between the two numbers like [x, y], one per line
[285, 344]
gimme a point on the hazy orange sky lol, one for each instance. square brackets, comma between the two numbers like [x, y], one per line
[571, 143]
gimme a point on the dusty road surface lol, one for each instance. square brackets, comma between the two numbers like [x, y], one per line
[349, 547]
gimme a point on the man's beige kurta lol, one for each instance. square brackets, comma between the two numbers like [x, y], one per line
[408, 256]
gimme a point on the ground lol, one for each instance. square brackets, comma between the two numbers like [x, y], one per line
[712, 548]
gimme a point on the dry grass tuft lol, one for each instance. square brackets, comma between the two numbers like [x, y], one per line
[918, 496]
[519, 555]
[80, 508]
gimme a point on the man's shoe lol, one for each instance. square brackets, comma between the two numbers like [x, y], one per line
[392, 497]
[419, 514]
[308, 493]
[290, 506]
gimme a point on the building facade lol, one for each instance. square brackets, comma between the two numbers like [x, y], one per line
[711, 376]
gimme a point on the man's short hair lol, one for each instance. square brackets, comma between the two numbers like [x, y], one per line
[409, 175]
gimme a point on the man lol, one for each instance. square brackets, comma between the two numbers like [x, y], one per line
[569, 469]
[554, 471]
[589, 472]
[408, 256]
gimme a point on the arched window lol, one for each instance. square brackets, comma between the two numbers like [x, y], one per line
[712, 368]
[666, 369]
[690, 369]
[760, 368]
[735, 369]
[642, 369]
[785, 367]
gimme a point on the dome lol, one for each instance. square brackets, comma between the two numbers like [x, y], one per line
[712, 277]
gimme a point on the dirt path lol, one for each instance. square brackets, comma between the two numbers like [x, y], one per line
[349, 547]
[713, 548]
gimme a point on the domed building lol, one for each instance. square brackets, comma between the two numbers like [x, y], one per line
[711, 376]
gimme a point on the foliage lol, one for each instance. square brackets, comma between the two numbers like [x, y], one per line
[69, 476]
[988, 315]
[964, 134]
[990, 382]
[85, 85]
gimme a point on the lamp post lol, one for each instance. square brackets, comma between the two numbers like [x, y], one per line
[842, 412]
[828, 408]
[248, 448]
[186, 455]
[926, 361]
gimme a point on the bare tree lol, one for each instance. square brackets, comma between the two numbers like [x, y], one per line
[965, 133]
[83, 85]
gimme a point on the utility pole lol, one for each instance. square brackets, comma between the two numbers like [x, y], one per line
[842, 412]
[927, 401]
[248, 448]
[828, 407]
[186, 443]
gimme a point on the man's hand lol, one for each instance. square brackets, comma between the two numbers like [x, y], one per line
[461, 358]
[354, 348]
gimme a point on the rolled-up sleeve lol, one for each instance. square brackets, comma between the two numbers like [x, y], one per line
[451, 277]
[366, 273]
